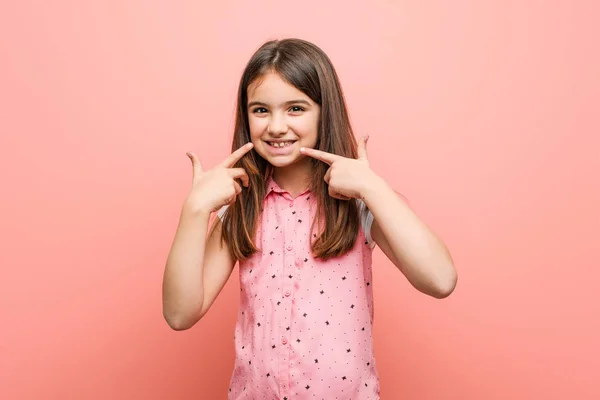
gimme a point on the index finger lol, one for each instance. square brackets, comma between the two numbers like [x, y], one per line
[327, 158]
[236, 155]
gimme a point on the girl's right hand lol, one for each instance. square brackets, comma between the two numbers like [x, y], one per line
[216, 187]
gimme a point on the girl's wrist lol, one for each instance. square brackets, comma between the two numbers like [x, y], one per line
[373, 186]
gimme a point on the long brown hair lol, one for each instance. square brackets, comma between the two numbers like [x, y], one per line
[306, 67]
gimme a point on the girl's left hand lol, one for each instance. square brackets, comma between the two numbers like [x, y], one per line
[346, 177]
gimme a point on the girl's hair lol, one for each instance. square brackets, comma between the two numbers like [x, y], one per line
[306, 67]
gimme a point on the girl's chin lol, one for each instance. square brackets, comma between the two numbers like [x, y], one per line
[282, 161]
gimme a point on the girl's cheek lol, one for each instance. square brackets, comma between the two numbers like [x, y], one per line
[256, 127]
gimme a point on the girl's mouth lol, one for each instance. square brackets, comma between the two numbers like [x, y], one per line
[279, 145]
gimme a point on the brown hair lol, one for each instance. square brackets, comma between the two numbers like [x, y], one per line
[306, 67]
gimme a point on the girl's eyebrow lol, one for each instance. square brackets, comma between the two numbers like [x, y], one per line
[260, 103]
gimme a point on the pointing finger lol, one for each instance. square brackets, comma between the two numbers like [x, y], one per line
[327, 158]
[237, 155]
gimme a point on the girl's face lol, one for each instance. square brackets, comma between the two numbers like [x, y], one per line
[282, 119]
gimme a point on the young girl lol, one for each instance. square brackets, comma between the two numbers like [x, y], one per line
[301, 211]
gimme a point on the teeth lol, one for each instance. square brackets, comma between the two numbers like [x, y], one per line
[281, 144]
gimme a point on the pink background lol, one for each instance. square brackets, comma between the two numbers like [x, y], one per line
[485, 114]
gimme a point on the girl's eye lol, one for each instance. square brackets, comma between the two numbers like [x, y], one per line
[259, 110]
[296, 109]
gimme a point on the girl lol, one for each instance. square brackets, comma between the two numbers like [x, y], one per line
[301, 211]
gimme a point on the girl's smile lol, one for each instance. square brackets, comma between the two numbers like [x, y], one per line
[281, 148]
[282, 119]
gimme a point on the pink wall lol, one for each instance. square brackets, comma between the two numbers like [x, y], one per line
[484, 114]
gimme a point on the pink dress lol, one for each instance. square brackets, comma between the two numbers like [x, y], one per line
[304, 326]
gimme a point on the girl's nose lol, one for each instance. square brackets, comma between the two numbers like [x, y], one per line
[277, 125]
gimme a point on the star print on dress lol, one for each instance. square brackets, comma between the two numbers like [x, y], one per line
[303, 323]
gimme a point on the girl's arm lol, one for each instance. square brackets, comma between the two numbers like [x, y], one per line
[408, 242]
[197, 268]
[403, 237]
[196, 271]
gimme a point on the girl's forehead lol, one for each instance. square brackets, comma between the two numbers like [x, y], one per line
[271, 88]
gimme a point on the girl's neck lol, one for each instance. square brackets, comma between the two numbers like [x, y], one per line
[294, 178]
